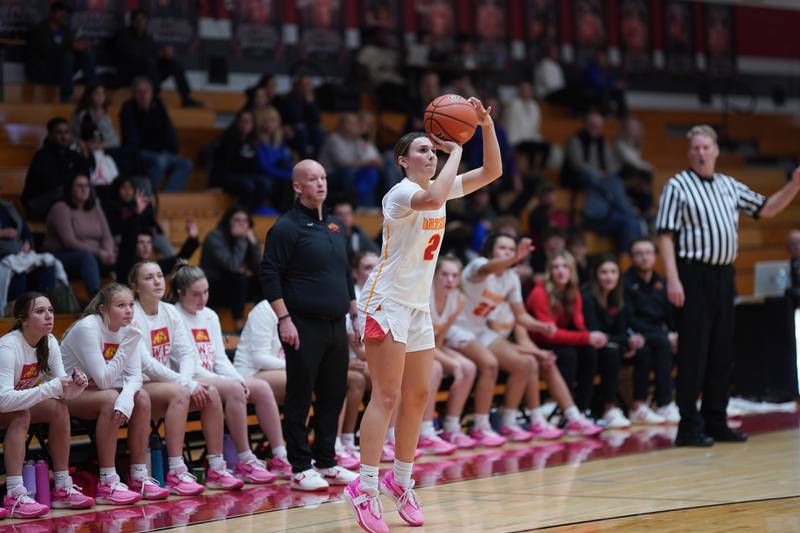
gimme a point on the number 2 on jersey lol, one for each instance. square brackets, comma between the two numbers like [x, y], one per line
[433, 245]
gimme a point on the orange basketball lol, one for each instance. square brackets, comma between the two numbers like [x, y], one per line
[451, 117]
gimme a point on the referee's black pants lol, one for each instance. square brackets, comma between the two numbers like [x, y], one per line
[319, 367]
[705, 346]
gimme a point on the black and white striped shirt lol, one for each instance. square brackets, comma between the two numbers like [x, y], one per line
[704, 215]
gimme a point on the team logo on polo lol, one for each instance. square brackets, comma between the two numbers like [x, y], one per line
[28, 377]
[109, 351]
[334, 227]
[159, 339]
[204, 348]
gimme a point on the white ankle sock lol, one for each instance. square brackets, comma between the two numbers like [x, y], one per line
[216, 462]
[452, 424]
[279, 451]
[402, 473]
[349, 439]
[390, 434]
[482, 421]
[572, 414]
[61, 478]
[106, 473]
[368, 478]
[510, 417]
[246, 456]
[427, 428]
[536, 416]
[175, 463]
[138, 471]
[13, 482]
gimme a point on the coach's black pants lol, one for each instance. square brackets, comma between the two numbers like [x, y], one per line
[705, 346]
[319, 367]
[656, 355]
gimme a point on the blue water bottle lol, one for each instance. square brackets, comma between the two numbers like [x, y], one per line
[156, 459]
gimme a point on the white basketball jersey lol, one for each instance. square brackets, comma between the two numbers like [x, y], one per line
[450, 307]
[411, 242]
[482, 296]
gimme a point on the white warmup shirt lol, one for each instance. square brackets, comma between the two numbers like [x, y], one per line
[483, 294]
[502, 319]
[166, 339]
[206, 332]
[110, 359]
[260, 345]
[22, 383]
[411, 242]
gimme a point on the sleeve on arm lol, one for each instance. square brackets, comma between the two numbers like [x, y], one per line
[398, 200]
[277, 251]
[54, 359]
[15, 400]
[183, 350]
[222, 365]
[265, 335]
[668, 218]
[540, 308]
[131, 381]
[457, 190]
[89, 351]
[155, 370]
[749, 201]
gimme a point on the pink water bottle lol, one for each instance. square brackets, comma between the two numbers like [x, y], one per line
[43, 482]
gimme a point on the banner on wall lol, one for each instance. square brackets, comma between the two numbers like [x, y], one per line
[437, 19]
[678, 41]
[590, 29]
[541, 27]
[491, 31]
[173, 23]
[255, 27]
[720, 41]
[18, 17]
[634, 35]
[321, 23]
[97, 20]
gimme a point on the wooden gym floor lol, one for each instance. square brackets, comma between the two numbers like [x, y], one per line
[624, 481]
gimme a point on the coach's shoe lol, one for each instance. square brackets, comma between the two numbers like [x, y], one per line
[367, 508]
[726, 434]
[435, 445]
[148, 488]
[516, 434]
[222, 479]
[254, 471]
[487, 437]
[336, 475]
[19, 504]
[583, 427]
[614, 419]
[114, 492]
[70, 497]
[670, 413]
[695, 440]
[544, 431]
[308, 480]
[644, 415]
[404, 498]
[183, 483]
[281, 467]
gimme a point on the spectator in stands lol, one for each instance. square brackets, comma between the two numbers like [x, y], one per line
[591, 165]
[604, 309]
[237, 169]
[554, 241]
[53, 55]
[546, 215]
[602, 87]
[357, 241]
[576, 245]
[139, 55]
[557, 299]
[78, 234]
[132, 198]
[522, 120]
[147, 130]
[351, 163]
[636, 173]
[793, 247]
[52, 166]
[429, 89]
[461, 85]
[380, 60]
[301, 118]
[274, 157]
[102, 167]
[652, 315]
[16, 241]
[137, 245]
[549, 80]
[230, 259]
[93, 108]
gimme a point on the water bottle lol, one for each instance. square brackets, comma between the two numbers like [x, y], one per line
[782, 280]
[156, 459]
[43, 482]
[229, 452]
[29, 477]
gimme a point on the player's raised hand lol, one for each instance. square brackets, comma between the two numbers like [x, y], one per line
[524, 248]
[443, 145]
[484, 114]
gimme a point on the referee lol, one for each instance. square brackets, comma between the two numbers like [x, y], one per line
[697, 221]
[306, 278]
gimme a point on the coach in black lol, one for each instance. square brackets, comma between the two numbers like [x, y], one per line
[697, 220]
[306, 278]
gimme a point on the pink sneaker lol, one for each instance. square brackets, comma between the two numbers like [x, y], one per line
[387, 453]
[255, 471]
[404, 498]
[516, 434]
[487, 438]
[148, 488]
[461, 441]
[70, 497]
[281, 467]
[583, 426]
[182, 483]
[19, 504]
[222, 479]
[367, 507]
[545, 431]
[347, 460]
[114, 492]
[3, 513]
[435, 445]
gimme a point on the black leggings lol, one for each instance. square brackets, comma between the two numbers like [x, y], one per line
[577, 366]
[656, 355]
[233, 292]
